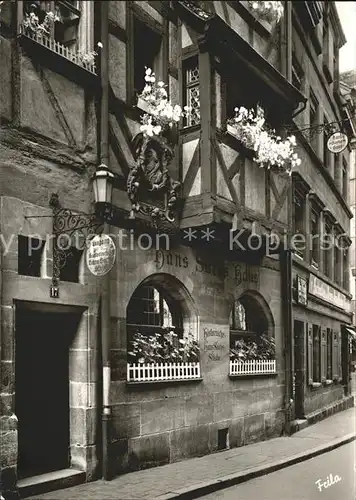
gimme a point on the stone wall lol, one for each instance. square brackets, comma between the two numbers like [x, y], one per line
[157, 423]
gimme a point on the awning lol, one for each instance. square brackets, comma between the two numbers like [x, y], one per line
[351, 331]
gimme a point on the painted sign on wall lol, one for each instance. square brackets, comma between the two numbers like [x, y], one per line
[320, 289]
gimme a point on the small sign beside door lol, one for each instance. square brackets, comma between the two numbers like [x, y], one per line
[302, 291]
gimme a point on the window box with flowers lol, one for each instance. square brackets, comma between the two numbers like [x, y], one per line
[39, 27]
[160, 115]
[163, 357]
[161, 345]
[150, 187]
[271, 12]
[270, 151]
[253, 356]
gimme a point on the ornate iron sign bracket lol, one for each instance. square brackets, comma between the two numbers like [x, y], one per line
[310, 132]
[74, 228]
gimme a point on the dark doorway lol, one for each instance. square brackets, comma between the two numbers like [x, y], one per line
[42, 389]
[299, 370]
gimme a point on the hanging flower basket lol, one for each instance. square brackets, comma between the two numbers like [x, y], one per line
[271, 12]
[271, 151]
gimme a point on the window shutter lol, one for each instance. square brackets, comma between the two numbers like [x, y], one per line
[310, 354]
[323, 355]
[340, 357]
[335, 356]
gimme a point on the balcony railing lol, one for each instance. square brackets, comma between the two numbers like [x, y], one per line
[59, 49]
[162, 372]
[253, 367]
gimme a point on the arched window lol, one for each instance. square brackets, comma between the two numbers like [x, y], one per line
[151, 311]
[161, 328]
[251, 329]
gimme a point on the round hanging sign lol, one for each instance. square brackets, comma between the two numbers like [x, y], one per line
[337, 142]
[101, 254]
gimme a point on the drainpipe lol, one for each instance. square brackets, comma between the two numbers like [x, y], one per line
[286, 288]
[286, 253]
[105, 291]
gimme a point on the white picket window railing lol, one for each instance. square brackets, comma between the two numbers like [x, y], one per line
[253, 367]
[59, 48]
[137, 372]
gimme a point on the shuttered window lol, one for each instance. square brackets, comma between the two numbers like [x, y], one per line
[316, 353]
[310, 354]
[339, 355]
[323, 355]
[329, 373]
[335, 356]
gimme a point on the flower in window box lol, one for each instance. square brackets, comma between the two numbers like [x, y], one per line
[160, 114]
[271, 151]
[268, 11]
[32, 25]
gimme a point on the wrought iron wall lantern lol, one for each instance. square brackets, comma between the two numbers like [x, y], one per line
[74, 227]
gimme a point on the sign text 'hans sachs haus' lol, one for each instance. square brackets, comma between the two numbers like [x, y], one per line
[101, 254]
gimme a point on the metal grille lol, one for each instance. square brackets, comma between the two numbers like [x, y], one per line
[193, 96]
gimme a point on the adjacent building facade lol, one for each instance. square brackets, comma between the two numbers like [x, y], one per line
[189, 298]
[321, 305]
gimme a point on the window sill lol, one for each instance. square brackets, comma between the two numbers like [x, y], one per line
[252, 375]
[158, 382]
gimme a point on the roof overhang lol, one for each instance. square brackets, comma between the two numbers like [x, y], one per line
[220, 39]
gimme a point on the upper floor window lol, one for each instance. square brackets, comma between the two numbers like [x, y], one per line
[297, 73]
[147, 53]
[327, 249]
[192, 91]
[67, 17]
[299, 221]
[313, 117]
[326, 152]
[336, 68]
[345, 281]
[327, 61]
[314, 231]
[345, 184]
[338, 261]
